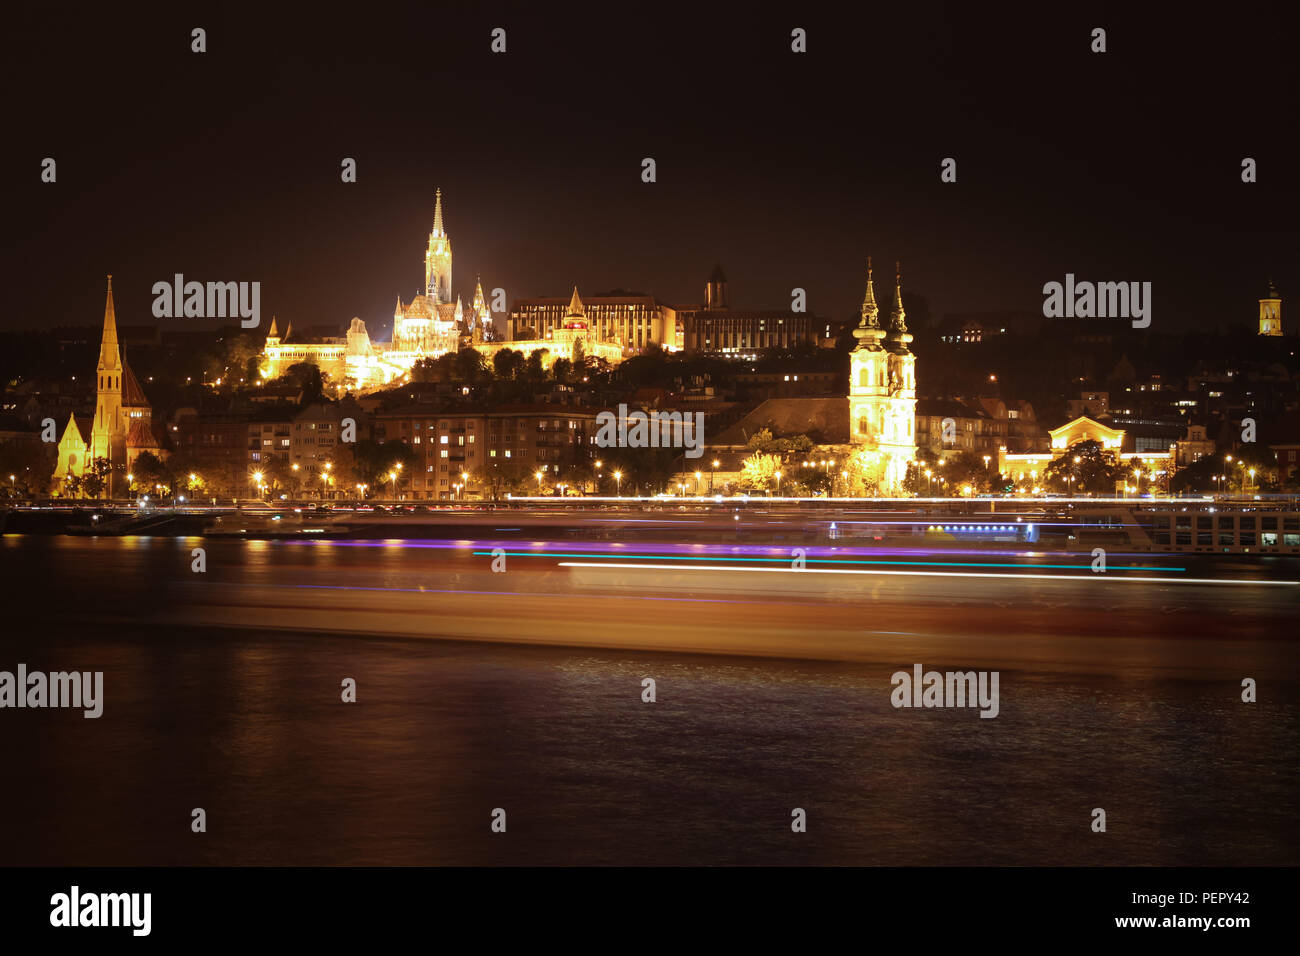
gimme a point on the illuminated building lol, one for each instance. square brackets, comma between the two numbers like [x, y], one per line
[1270, 313]
[717, 328]
[122, 428]
[1030, 467]
[882, 388]
[432, 324]
[629, 320]
[635, 322]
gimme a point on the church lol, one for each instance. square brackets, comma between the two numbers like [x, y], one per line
[432, 324]
[122, 428]
[882, 388]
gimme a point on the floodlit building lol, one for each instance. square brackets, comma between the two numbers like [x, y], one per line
[882, 387]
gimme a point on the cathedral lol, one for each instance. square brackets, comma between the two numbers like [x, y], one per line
[882, 388]
[432, 324]
[122, 428]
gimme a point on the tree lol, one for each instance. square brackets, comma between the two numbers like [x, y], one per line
[1085, 466]
[534, 369]
[95, 481]
[760, 470]
[306, 377]
[508, 364]
[149, 471]
[470, 367]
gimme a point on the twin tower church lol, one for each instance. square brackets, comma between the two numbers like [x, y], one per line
[882, 388]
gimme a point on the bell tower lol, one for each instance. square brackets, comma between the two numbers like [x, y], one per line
[108, 433]
[1270, 312]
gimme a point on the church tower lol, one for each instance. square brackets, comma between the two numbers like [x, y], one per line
[882, 387]
[108, 433]
[437, 259]
[1270, 312]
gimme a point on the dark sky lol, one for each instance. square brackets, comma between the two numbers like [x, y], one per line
[788, 169]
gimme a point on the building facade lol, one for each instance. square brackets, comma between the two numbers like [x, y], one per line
[882, 387]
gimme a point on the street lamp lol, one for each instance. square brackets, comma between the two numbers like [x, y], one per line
[778, 483]
[697, 482]
[538, 476]
[711, 472]
[618, 483]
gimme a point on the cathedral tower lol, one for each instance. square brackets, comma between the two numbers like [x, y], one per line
[437, 259]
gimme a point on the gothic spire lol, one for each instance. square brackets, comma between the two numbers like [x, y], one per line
[108, 355]
[437, 215]
[274, 333]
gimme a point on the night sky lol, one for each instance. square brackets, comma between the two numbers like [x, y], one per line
[788, 169]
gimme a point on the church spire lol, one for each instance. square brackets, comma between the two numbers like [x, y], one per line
[274, 333]
[869, 333]
[898, 317]
[437, 215]
[870, 311]
[109, 360]
[898, 334]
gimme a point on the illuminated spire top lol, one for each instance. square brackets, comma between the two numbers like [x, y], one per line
[437, 216]
[576, 308]
[869, 333]
[109, 360]
[870, 311]
[274, 333]
[898, 334]
[898, 317]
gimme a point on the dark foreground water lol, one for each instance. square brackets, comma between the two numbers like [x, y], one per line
[248, 724]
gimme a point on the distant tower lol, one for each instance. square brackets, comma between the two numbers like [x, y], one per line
[715, 292]
[882, 386]
[437, 259]
[1270, 312]
[108, 433]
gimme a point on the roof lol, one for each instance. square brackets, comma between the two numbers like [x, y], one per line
[132, 394]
